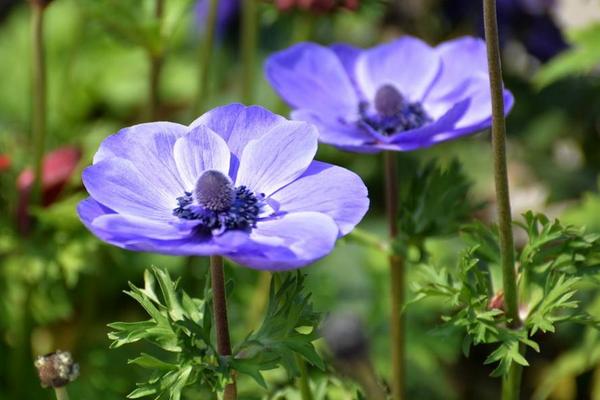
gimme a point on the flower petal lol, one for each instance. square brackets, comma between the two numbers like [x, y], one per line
[277, 158]
[332, 131]
[117, 184]
[328, 189]
[133, 227]
[456, 55]
[150, 148]
[408, 64]
[312, 77]
[198, 151]
[292, 241]
[237, 125]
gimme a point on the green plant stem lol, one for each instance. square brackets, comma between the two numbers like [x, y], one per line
[396, 278]
[156, 60]
[249, 33]
[303, 381]
[259, 300]
[205, 58]
[512, 382]
[370, 240]
[220, 311]
[500, 169]
[61, 393]
[38, 123]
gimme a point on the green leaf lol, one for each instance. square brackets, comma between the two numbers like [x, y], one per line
[581, 58]
[148, 361]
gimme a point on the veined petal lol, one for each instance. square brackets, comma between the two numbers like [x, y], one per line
[200, 150]
[237, 125]
[150, 148]
[132, 227]
[334, 132]
[312, 77]
[328, 189]
[295, 240]
[277, 158]
[462, 59]
[118, 184]
[408, 64]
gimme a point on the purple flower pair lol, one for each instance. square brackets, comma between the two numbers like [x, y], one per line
[239, 182]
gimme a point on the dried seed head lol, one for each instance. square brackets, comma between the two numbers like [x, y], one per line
[56, 369]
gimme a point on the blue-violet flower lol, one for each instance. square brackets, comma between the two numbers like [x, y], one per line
[239, 182]
[399, 96]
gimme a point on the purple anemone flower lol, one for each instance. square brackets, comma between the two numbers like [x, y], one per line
[399, 96]
[239, 182]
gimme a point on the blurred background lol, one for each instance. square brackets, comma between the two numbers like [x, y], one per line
[59, 286]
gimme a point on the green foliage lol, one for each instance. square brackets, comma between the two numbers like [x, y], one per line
[134, 21]
[580, 59]
[289, 328]
[179, 325]
[182, 327]
[554, 264]
[434, 202]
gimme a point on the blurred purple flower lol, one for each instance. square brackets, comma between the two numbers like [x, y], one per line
[227, 13]
[400, 96]
[527, 21]
[239, 182]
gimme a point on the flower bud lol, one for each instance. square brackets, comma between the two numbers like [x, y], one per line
[56, 369]
[497, 302]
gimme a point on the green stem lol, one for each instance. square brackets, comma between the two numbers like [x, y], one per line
[39, 97]
[396, 279]
[303, 382]
[220, 311]
[61, 393]
[370, 240]
[512, 382]
[259, 300]
[500, 170]
[156, 60]
[248, 39]
[202, 94]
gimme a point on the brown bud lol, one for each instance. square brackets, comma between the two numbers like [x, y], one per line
[56, 369]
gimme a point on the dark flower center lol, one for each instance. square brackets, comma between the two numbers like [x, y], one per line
[393, 113]
[218, 205]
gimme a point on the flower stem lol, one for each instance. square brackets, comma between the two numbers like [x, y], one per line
[369, 240]
[39, 96]
[500, 170]
[249, 34]
[303, 382]
[220, 311]
[156, 64]
[206, 57]
[512, 382]
[61, 393]
[396, 278]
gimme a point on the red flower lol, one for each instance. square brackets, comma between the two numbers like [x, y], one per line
[317, 5]
[57, 168]
[4, 162]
